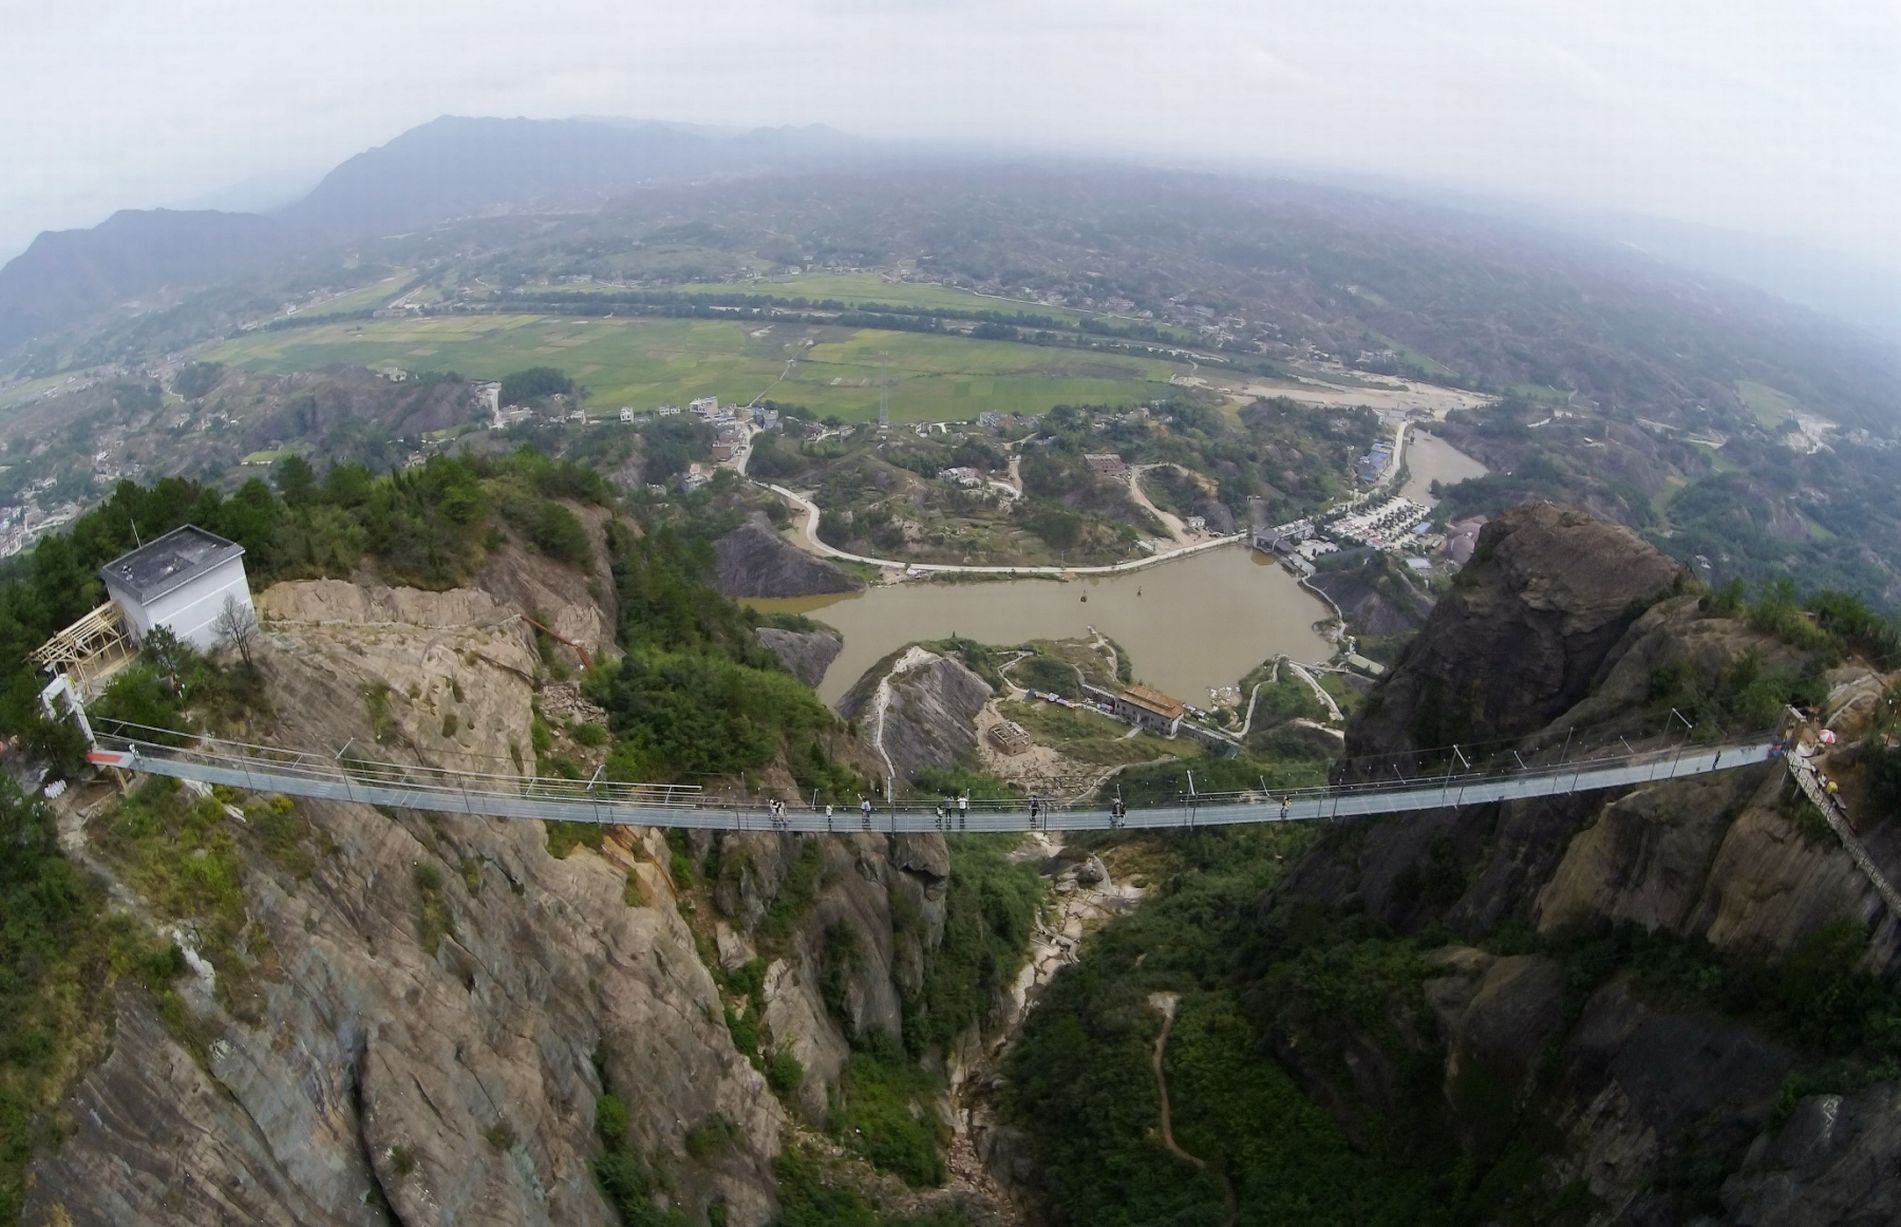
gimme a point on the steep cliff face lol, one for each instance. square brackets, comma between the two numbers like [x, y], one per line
[440, 1002]
[1521, 638]
[919, 710]
[1558, 637]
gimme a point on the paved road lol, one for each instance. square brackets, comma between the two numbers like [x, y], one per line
[301, 775]
[809, 532]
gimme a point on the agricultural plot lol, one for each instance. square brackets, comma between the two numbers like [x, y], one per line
[869, 289]
[645, 362]
[363, 298]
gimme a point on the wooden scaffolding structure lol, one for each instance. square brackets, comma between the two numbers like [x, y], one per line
[89, 651]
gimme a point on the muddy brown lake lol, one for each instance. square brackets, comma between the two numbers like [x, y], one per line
[1430, 458]
[1203, 621]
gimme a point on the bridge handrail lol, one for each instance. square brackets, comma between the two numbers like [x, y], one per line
[474, 786]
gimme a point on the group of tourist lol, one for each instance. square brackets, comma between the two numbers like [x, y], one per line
[952, 815]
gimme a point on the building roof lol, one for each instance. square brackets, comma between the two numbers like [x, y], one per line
[169, 562]
[1154, 700]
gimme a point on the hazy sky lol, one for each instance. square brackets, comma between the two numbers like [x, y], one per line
[1774, 116]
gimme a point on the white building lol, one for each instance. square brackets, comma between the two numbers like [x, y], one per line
[180, 581]
[705, 406]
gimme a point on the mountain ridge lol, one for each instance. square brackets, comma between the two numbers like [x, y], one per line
[449, 167]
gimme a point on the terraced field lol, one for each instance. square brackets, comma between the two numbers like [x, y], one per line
[645, 362]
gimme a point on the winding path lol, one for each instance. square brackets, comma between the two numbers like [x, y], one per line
[1166, 1003]
[808, 534]
[1172, 523]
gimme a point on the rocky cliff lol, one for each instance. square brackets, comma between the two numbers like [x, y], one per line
[919, 710]
[1561, 633]
[753, 560]
[434, 1005]
[1521, 637]
[805, 654]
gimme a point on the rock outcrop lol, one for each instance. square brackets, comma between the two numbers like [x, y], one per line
[919, 710]
[805, 654]
[1554, 638]
[1521, 638]
[440, 1001]
[753, 560]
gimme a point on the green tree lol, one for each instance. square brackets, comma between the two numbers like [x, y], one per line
[296, 480]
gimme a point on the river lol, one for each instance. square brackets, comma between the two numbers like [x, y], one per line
[1189, 625]
[1430, 458]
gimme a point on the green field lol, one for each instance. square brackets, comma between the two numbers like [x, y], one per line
[365, 298]
[32, 389]
[1771, 406]
[645, 362]
[871, 289]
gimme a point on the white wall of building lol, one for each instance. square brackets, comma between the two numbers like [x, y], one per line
[191, 610]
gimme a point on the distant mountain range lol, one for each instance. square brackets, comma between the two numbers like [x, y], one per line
[449, 167]
[69, 275]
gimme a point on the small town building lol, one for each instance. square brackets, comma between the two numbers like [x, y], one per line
[180, 581]
[1150, 709]
[183, 581]
[1142, 706]
[1109, 464]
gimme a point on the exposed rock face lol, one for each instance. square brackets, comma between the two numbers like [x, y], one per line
[577, 606]
[752, 560]
[807, 654]
[1518, 642]
[919, 710]
[1631, 1083]
[449, 1071]
[1829, 1164]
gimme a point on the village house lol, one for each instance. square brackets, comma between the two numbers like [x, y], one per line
[1142, 706]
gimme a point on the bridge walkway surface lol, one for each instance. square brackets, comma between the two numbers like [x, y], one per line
[332, 777]
[1803, 771]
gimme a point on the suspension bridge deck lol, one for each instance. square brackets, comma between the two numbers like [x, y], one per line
[265, 769]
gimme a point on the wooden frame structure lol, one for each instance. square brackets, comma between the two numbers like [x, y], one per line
[1009, 737]
[90, 650]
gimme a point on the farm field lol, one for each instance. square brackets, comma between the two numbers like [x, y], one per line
[645, 362]
[364, 298]
[1772, 406]
[869, 288]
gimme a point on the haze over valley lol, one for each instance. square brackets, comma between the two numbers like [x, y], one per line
[951, 618]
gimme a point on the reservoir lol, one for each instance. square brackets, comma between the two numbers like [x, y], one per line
[1200, 622]
[1430, 458]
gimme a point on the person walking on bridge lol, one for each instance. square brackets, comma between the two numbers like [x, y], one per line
[963, 807]
[864, 810]
[1036, 807]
